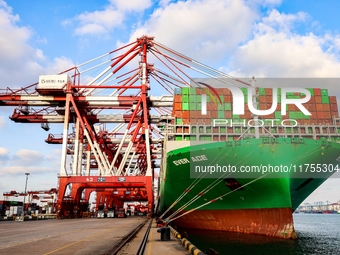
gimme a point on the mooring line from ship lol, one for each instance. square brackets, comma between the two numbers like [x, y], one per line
[186, 191]
[213, 200]
[206, 189]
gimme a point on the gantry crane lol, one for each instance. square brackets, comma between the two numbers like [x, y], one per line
[115, 142]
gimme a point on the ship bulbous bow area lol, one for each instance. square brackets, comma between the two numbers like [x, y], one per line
[273, 222]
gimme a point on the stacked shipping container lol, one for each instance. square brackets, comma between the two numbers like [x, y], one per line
[188, 104]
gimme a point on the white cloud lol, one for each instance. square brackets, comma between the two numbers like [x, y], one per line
[103, 22]
[275, 51]
[136, 5]
[18, 58]
[205, 30]
[10, 170]
[2, 122]
[58, 65]
[3, 151]
[4, 156]
[27, 158]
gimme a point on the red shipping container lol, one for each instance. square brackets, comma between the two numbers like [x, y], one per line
[319, 115]
[335, 114]
[213, 114]
[311, 107]
[332, 99]
[219, 91]
[248, 115]
[227, 114]
[178, 99]
[178, 114]
[227, 99]
[311, 100]
[291, 107]
[334, 107]
[226, 91]
[263, 106]
[327, 115]
[186, 121]
[185, 114]
[193, 114]
[268, 91]
[262, 99]
[317, 92]
[319, 107]
[269, 99]
[318, 99]
[326, 107]
[211, 106]
[178, 106]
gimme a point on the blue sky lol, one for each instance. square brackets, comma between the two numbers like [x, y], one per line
[261, 38]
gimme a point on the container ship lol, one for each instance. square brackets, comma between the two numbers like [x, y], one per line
[294, 155]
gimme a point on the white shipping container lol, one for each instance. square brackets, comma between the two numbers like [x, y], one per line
[13, 210]
[53, 81]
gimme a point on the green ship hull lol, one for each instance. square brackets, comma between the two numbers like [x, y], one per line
[247, 202]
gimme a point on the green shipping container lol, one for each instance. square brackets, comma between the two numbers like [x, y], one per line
[277, 115]
[179, 121]
[325, 99]
[205, 138]
[192, 99]
[198, 98]
[185, 91]
[178, 138]
[185, 99]
[227, 106]
[192, 91]
[245, 91]
[292, 115]
[311, 91]
[185, 106]
[193, 107]
[262, 91]
[324, 92]
[220, 114]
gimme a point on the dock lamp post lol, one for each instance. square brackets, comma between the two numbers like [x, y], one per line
[27, 174]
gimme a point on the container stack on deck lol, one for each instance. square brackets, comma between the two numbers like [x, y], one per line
[188, 104]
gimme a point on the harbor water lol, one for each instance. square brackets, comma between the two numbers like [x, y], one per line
[318, 234]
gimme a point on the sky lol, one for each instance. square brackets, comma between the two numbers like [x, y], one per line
[244, 38]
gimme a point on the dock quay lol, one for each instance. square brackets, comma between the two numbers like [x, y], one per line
[86, 236]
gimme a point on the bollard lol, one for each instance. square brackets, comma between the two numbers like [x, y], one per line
[165, 233]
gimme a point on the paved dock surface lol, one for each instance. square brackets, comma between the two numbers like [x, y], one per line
[154, 244]
[71, 236]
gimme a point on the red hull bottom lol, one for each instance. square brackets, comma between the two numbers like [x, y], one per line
[275, 222]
